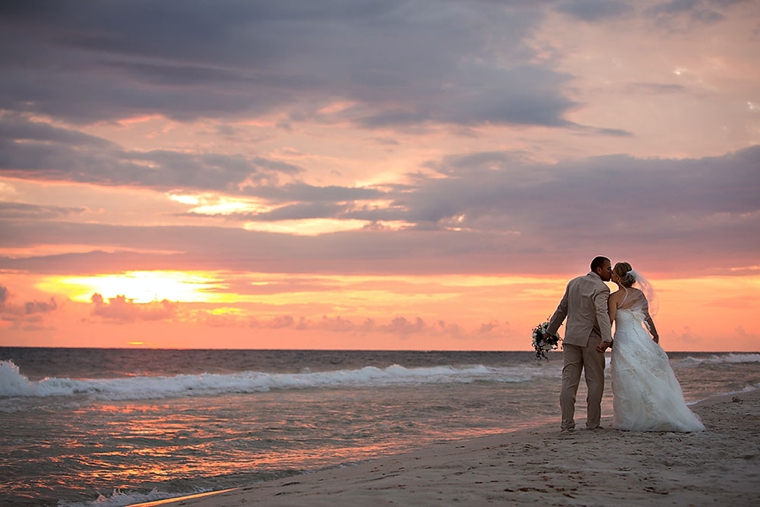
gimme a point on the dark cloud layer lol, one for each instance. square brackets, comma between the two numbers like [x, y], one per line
[594, 10]
[401, 62]
[489, 212]
[493, 184]
[35, 150]
[23, 210]
[700, 11]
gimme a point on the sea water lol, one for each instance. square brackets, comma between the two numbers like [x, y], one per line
[113, 427]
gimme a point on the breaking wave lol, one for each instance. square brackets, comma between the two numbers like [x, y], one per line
[14, 384]
[731, 358]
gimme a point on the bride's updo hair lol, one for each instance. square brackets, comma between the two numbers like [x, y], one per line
[624, 271]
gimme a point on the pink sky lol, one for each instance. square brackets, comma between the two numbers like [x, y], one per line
[373, 175]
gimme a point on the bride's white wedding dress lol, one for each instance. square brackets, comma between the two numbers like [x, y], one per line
[646, 394]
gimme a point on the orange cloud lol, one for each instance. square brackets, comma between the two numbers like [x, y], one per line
[29, 315]
[126, 310]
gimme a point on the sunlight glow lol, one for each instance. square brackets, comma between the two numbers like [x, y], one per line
[309, 227]
[225, 310]
[211, 204]
[291, 310]
[6, 190]
[191, 200]
[225, 207]
[391, 225]
[141, 286]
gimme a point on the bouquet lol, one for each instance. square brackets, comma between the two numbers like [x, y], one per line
[543, 341]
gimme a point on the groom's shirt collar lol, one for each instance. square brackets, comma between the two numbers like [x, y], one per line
[592, 273]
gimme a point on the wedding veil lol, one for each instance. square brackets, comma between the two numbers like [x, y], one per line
[646, 287]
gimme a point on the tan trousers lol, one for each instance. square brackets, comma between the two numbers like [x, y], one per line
[592, 362]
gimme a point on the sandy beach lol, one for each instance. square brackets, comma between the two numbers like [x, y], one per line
[544, 466]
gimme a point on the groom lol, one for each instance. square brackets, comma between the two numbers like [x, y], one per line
[587, 336]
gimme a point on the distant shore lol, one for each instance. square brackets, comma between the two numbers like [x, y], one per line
[720, 466]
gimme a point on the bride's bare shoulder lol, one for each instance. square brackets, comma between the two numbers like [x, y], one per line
[616, 295]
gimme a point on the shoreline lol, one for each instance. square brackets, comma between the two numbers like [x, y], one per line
[544, 466]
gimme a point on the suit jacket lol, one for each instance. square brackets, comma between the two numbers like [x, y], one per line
[585, 306]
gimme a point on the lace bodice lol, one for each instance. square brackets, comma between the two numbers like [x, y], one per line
[633, 300]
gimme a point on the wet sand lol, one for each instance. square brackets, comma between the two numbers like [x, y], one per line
[544, 466]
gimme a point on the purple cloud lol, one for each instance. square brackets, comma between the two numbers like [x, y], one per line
[484, 209]
[470, 63]
[33, 150]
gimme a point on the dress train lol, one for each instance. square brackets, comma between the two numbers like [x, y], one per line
[646, 393]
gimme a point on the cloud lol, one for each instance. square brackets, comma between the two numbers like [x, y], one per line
[594, 10]
[700, 11]
[493, 211]
[399, 62]
[19, 128]
[122, 309]
[28, 315]
[399, 326]
[50, 157]
[35, 150]
[32, 307]
[28, 308]
[312, 194]
[17, 210]
[674, 6]
[276, 285]
[496, 184]
[655, 88]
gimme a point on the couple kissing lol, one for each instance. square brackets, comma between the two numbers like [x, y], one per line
[646, 393]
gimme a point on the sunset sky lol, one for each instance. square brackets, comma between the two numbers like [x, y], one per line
[373, 174]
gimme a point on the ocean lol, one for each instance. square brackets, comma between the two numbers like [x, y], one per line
[109, 427]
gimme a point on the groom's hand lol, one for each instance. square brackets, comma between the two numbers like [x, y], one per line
[603, 346]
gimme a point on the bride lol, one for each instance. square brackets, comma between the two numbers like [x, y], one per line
[646, 394]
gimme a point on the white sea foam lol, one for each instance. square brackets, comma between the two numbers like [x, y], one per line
[731, 358]
[14, 384]
[121, 499]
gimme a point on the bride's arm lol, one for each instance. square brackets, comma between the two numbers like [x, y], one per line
[652, 329]
[650, 324]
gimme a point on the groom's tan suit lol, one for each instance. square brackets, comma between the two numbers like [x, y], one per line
[588, 324]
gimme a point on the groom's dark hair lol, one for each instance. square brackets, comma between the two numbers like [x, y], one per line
[598, 262]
